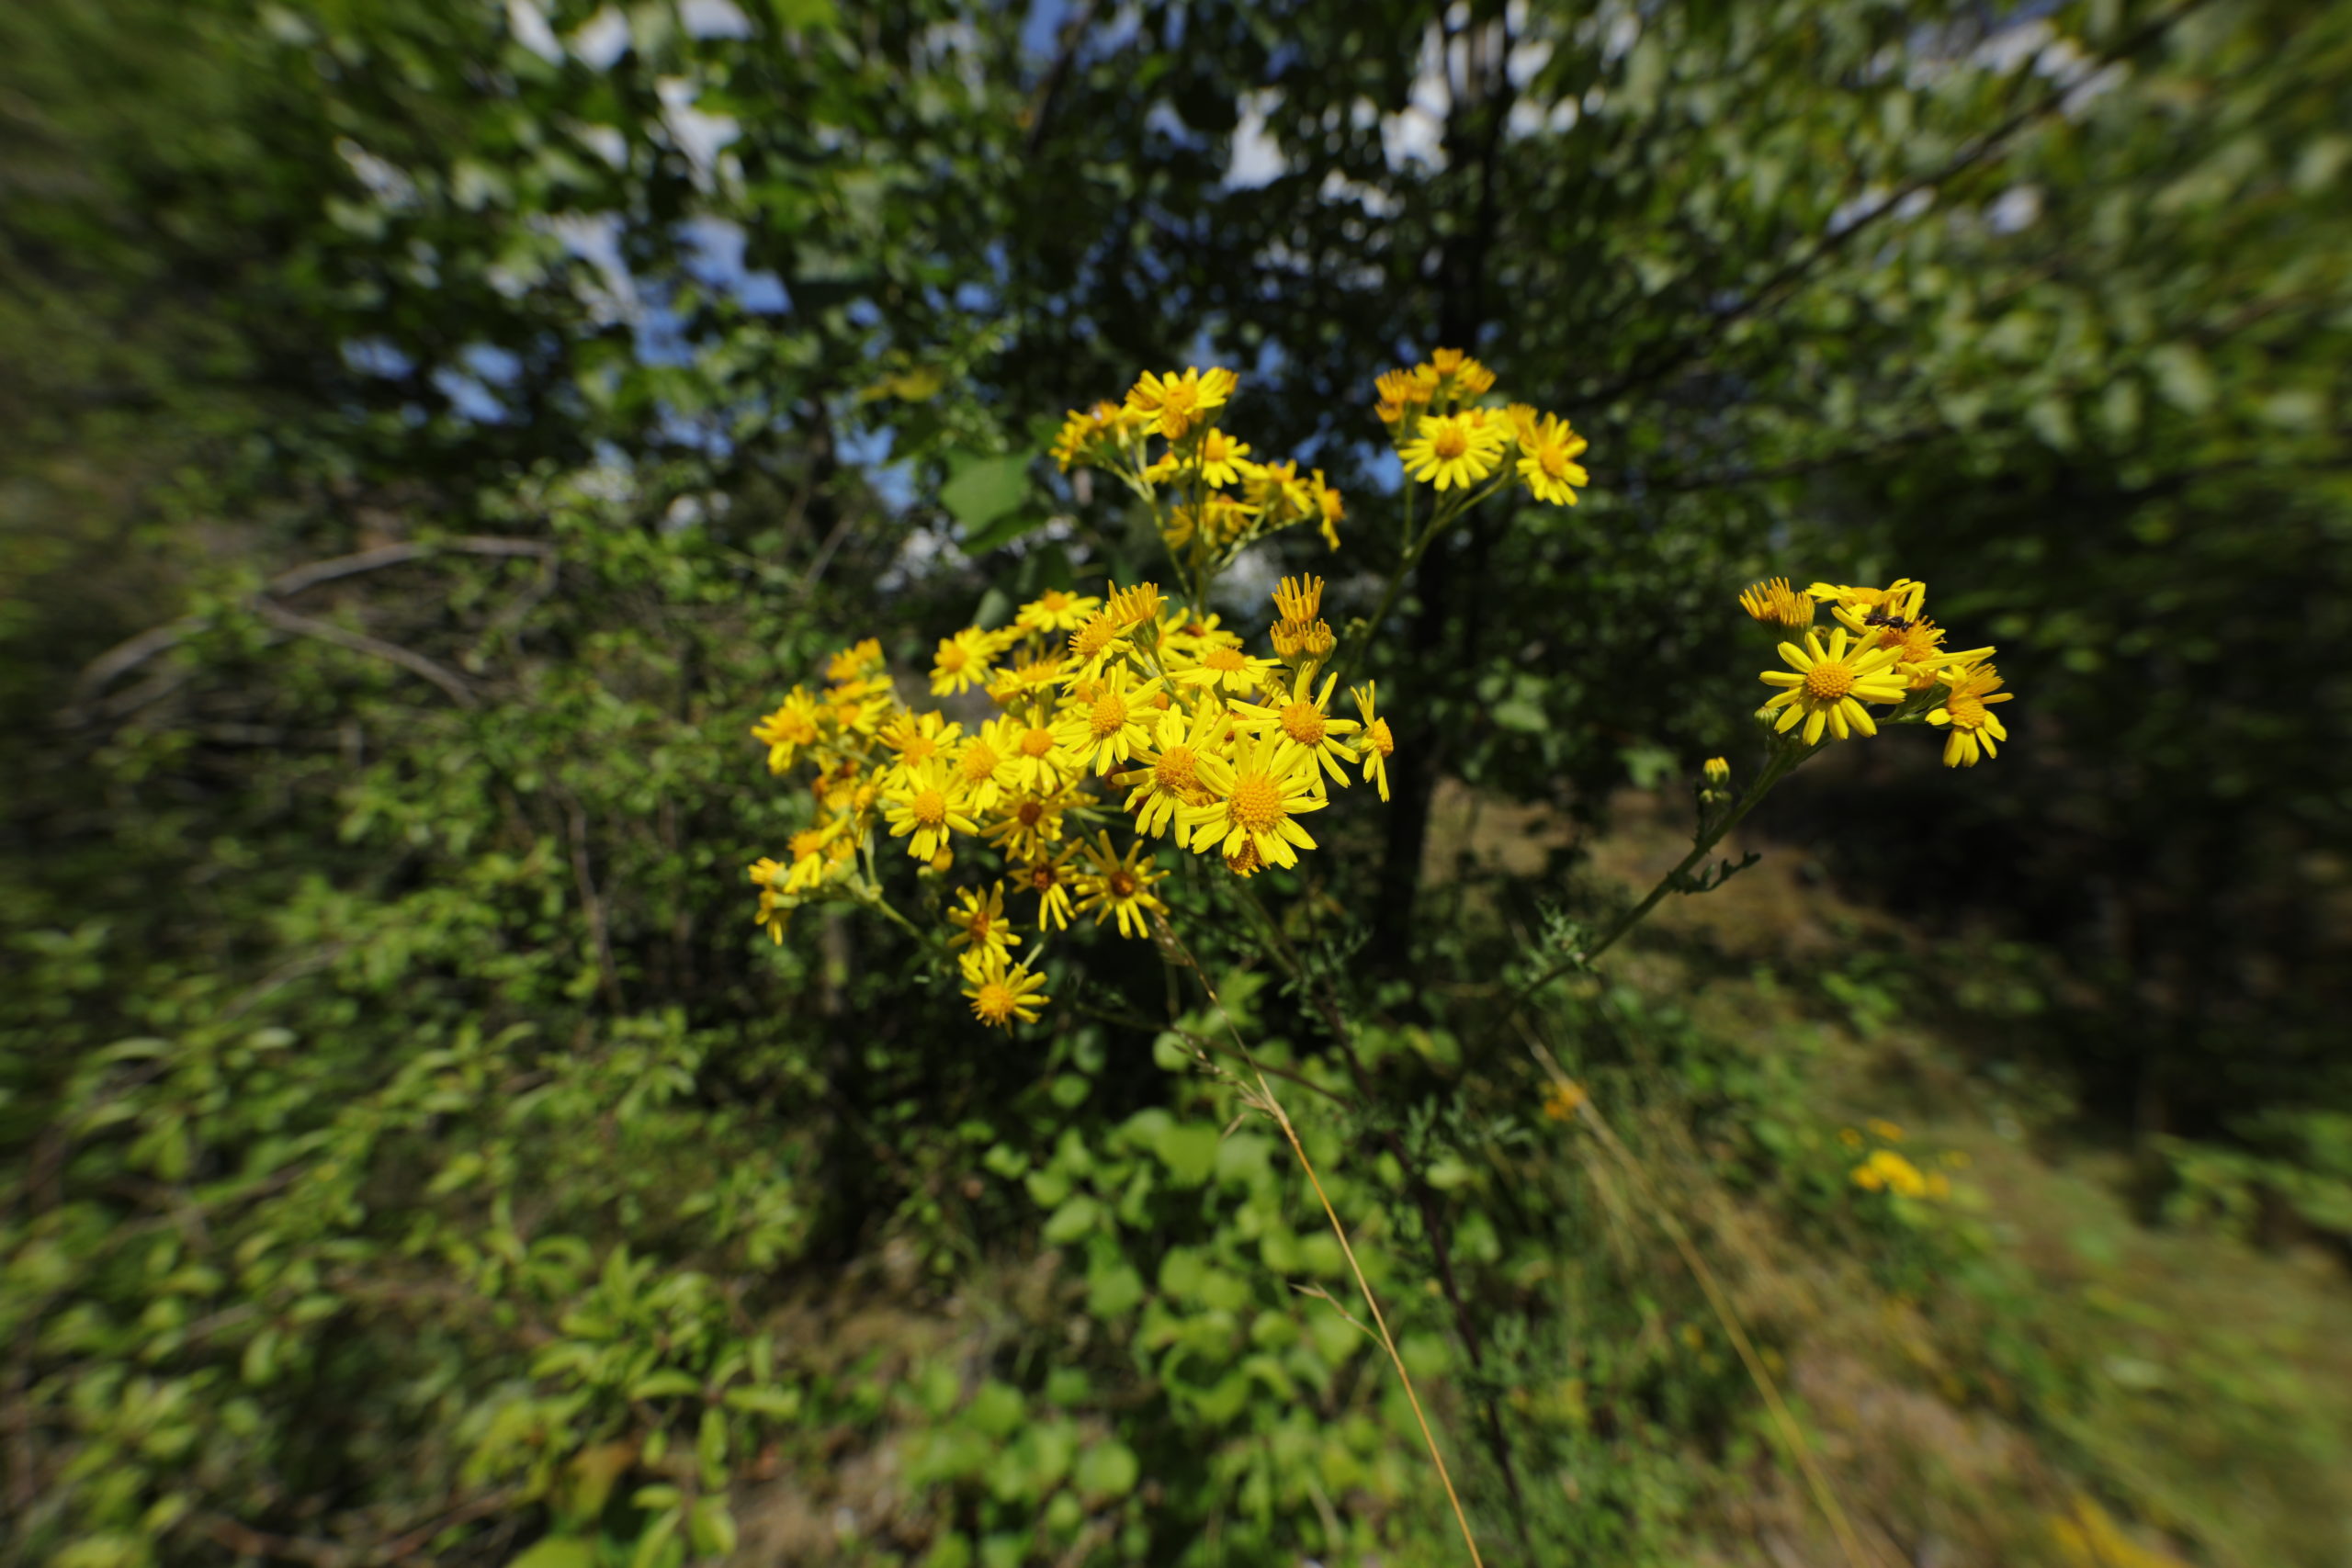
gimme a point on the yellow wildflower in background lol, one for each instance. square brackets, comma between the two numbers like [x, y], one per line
[1903, 598]
[1119, 886]
[1886, 1171]
[1219, 668]
[1050, 879]
[963, 661]
[1222, 459]
[1172, 404]
[1330, 509]
[1826, 687]
[796, 724]
[1002, 995]
[1561, 1101]
[980, 923]
[1376, 745]
[1966, 712]
[1056, 610]
[854, 660]
[1454, 449]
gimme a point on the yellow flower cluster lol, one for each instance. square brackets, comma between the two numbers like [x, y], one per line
[1165, 442]
[1884, 1170]
[1449, 439]
[1122, 709]
[1880, 650]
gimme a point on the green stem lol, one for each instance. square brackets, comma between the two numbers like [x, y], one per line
[1783, 760]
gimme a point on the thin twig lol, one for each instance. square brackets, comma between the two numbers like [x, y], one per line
[408, 659]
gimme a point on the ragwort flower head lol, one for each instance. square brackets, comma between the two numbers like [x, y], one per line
[1547, 464]
[1002, 993]
[1120, 886]
[1172, 404]
[924, 808]
[1825, 687]
[1455, 450]
[1966, 713]
[1268, 784]
[1775, 603]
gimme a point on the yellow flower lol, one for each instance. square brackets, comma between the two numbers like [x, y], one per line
[963, 660]
[797, 723]
[1561, 1100]
[1966, 711]
[1547, 465]
[1887, 1171]
[854, 660]
[1111, 724]
[1093, 645]
[928, 805]
[1257, 799]
[918, 738]
[817, 854]
[1901, 599]
[1131, 607]
[1002, 995]
[1402, 390]
[1882, 1128]
[1056, 610]
[1452, 450]
[1033, 678]
[1329, 511]
[1039, 763]
[1083, 434]
[1171, 404]
[858, 708]
[1826, 688]
[1224, 460]
[980, 923]
[1278, 495]
[1376, 745]
[1466, 374]
[1718, 772]
[1048, 876]
[1119, 886]
[985, 763]
[1169, 779]
[1775, 603]
[1304, 721]
[1299, 598]
[771, 913]
[1296, 640]
[1221, 667]
[1023, 827]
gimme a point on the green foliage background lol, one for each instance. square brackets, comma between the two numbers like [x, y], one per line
[410, 1150]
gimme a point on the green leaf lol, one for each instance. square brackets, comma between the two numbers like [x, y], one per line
[557, 1552]
[1188, 1151]
[980, 491]
[712, 1529]
[1107, 1470]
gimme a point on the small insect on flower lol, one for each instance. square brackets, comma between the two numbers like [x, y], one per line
[1002, 994]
